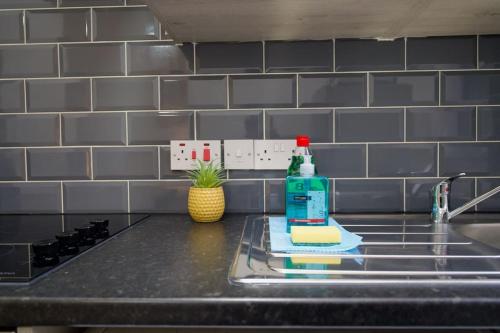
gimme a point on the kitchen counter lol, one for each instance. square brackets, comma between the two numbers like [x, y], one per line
[169, 271]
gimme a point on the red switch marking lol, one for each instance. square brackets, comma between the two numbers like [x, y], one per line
[206, 154]
[193, 155]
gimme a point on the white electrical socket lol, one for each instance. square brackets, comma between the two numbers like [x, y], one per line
[273, 154]
[185, 153]
[238, 154]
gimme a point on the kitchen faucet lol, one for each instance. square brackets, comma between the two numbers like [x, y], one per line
[440, 201]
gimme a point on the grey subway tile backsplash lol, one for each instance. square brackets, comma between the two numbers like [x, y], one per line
[488, 123]
[138, 93]
[159, 196]
[187, 92]
[58, 95]
[244, 196]
[471, 87]
[369, 55]
[146, 128]
[30, 198]
[489, 51]
[95, 197]
[71, 25]
[441, 52]
[340, 160]
[369, 125]
[475, 159]
[338, 90]
[92, 59]
[58, 163]
[11, 96]
[396, 89]
[153, 58]
[368, 195]
[299, 56]
[256, 174]
[12, 4]
[227, 125]
[441, 124]
[125, 163]
[126, 23]
[287, 124]
[93, 129]
[262, 91]
[217, 58]
[28, 61]
[484, 185]
[83, 3]
[29, 130]
[12, 164]
[402, 160]
[11, 27]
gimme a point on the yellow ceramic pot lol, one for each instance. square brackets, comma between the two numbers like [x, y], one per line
[206, 204]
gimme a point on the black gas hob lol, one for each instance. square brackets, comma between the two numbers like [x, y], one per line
[31, 245]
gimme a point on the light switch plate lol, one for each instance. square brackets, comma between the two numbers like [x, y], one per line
[273, 154]
[238, 154]
[185, 153]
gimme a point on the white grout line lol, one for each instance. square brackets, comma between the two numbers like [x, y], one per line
[439, 89]
[263, 57]
[332, 190]
[334, 112]
[227, 93]
[404, 195]
[24, 27]
[62, 197]
[159, 93]
[58, 60]
[366, 162]
[92, 24]
[264, 124]
[126, 60]
[195, 114]
[477, 51]
[405, 52]
[25, 97]
[477, 120]
[264, 195]
[92, 163]
[404, 124]
[475, 192]
[128, 196]
[26, 164]
[159, 163]
[126, 128]
[91, 94]
[297, 90]
[60, 130]
[437, 160]
[69, 8]
[367, 89]
[194, 58]
[334, 46]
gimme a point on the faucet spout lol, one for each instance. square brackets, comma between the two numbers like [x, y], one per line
[473, 202]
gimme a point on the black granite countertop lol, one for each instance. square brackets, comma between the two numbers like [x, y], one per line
[169, 271]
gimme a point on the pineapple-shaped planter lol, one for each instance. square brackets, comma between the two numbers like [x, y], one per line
[206, 196]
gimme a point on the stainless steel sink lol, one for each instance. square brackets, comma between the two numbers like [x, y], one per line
[394, 250]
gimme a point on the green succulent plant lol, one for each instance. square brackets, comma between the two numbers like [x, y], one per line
[206, 175]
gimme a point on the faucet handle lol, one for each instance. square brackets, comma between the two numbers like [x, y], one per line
[451, 179]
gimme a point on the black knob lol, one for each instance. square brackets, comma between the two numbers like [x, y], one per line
[46, 252]
[101, 228]
[68, 243]
[86, 234]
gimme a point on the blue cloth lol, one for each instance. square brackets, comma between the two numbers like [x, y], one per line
[282, 242]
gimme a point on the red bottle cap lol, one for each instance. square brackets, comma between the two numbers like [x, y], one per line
[302, 141]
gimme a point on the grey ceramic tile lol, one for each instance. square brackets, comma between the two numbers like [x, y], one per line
[369, 196]
[394, 89]
[11, 96]
[58, 95]
[218, 58]
[92, 59]
[419, 199]
[262, 91]
[489, 51]
[319, 90]
[225, 125]
[153, 58]
[95, 197]
[491, 204]
[299, 56]
[30, 198]
[69, 25]
[369, 55]
[441, 52]
[11, 27]
[165, 171]
[12, 164]
[475, 159]
[128, 23]
[93, 129]
[466, 88]
[58, 163]
[28, 61]
[287, 124]
[29, 130]
[209, 92]
[159, 196]
[152, 128]
[244, 196]
[139, 93]
[369, 125]
[125, 163]
[8, 4]
[402, 160]
[85, 3]
[441, 124]
[488, 123]
[340, 161]
[256, 174]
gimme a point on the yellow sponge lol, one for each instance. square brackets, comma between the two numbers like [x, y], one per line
[315, 236]
[316, 260]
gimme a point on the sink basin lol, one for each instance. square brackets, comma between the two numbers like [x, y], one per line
[395, 249]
